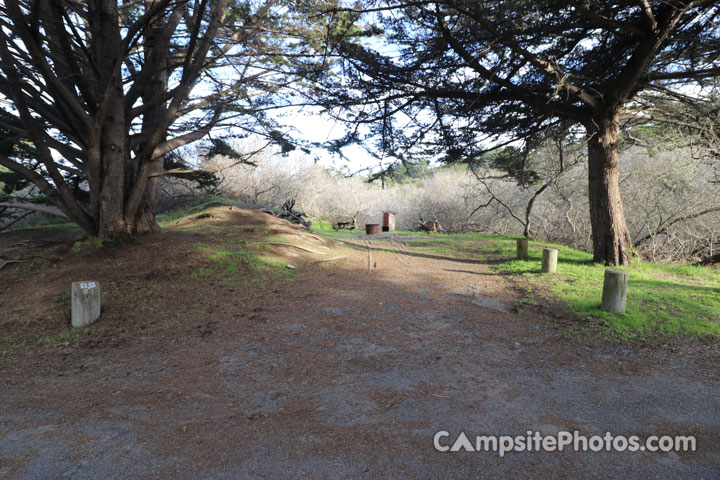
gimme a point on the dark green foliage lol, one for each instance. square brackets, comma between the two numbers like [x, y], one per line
[402, 172]
[218, 146]
[105, 92]
[206, 181]
[283, 141]
[514, 162]
[12, 146]
[11, 182]
[456, 78]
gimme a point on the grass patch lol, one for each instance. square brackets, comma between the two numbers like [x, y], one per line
[323, 226]
[663, 300]
[50, 223]
[67, 336]
[241, 263]
[90, 243]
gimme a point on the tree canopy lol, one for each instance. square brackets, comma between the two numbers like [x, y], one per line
[460, 78]
[102, 91]
[105, 89]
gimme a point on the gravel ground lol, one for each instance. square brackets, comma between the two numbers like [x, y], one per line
[351, 377]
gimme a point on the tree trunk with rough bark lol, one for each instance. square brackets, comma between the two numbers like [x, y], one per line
[611, 238]
[118, 167]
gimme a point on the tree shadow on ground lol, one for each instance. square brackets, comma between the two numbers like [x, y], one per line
[674, 285]
[409, 253]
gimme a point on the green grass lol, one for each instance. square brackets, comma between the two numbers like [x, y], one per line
[322, 226]
[70, 335]
[662, 301]
[325, 227]
[242, 259]
[59, 231]
[90, 243]
[229, 263]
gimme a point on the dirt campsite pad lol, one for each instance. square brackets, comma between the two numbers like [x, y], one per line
[208, 363]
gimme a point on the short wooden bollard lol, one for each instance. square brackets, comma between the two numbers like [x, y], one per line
[614, 292]
[522, 248]
[549, 260]
[85, 303]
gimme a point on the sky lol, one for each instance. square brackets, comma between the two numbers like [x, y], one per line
[315, 126]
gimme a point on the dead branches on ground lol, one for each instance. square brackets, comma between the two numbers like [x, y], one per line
[289, 214]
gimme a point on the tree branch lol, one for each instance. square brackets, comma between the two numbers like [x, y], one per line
[50, 210]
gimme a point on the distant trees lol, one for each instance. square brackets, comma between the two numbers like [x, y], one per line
[535, 169]
[456, 76]
[104, 89]
[672, 204]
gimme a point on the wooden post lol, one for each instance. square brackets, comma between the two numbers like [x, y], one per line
[614, 291]
[549, 260]
[522, 248]
[85, 303]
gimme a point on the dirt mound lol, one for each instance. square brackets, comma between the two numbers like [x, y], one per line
[229, 214]
[253, 222]
[157, 285]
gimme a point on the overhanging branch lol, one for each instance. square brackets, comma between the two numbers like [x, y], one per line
[50, 210]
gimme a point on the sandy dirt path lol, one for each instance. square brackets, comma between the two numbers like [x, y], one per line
[351, 377]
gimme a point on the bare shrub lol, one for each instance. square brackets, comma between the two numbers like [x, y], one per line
[671, 203]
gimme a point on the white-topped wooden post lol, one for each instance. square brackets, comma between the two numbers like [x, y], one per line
[549, 260]
[522, 248]
[614, 292]
[85, 303]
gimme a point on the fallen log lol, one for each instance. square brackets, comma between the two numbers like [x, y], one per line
[5, 262]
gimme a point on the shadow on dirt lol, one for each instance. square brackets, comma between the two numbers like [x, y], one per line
[350, 373]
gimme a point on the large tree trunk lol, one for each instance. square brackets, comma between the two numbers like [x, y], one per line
[112, 216]
[610, 235]
[119, 168]
[112, 222]
[143, 219]
[109, 217]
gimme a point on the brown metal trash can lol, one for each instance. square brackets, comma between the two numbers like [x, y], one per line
[372, 228]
